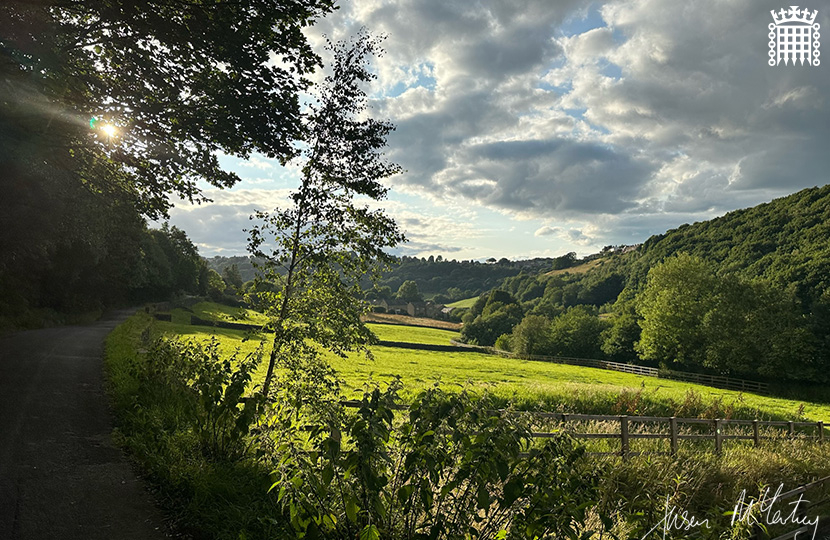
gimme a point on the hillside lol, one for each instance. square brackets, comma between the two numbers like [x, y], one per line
[726, 296]
[453, 279]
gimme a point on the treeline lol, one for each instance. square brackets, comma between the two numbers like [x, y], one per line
[448, 279]
[747, 294]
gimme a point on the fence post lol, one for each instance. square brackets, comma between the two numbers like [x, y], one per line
[821, 432]
[791, 427]
[718, 437]
[673, 428]
[624, 436]
[756, 435]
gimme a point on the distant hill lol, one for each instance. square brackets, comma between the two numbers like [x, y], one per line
[243, 264]
[786, 242]
[746, 293]
[434, 275]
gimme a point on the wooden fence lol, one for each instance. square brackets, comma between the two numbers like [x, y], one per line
[727, 383]
[627, 431]
[716, 432]
[802, 510]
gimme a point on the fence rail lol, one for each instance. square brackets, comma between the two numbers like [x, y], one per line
[790, 429]
[727, 383]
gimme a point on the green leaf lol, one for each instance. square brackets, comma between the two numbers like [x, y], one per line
[328, 474]
[404, 492]
[369, 532]
[513, 490]
[352, 509]
[483, 498]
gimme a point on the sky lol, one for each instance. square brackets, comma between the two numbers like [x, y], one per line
[531, 128]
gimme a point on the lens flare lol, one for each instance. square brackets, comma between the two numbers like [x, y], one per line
[109, 130]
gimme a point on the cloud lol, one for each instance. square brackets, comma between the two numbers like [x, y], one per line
[618, 118]
[219, 227]
[256, 163]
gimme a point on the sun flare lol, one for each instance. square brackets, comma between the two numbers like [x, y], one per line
[109, 130]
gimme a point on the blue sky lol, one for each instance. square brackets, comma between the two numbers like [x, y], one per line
[530, 128]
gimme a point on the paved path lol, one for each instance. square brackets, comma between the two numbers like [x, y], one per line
[61, 477]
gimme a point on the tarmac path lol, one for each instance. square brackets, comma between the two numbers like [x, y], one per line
[61, 476]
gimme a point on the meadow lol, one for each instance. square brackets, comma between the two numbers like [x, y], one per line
[527, 384]
[228, 499]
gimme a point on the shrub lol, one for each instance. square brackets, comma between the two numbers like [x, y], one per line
[207, 391]
[452, 468]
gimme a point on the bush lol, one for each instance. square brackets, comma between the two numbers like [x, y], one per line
[453, 468]
[209, 392]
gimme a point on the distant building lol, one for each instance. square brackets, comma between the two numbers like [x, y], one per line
[379, 306]
[417, 309]
[397, 309]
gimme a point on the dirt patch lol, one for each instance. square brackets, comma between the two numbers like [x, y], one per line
[388, 318]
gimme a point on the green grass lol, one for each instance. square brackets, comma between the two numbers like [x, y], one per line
[212, 311]
[413, 334]
[530, 384]
[466, 303]
[224, 500]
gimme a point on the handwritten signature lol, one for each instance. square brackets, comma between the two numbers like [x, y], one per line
[763, 509]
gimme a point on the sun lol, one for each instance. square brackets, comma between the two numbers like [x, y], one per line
[109, 130]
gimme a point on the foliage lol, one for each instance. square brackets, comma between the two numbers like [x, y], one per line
[532, 335]
[408, 292]
[577, 333]
[325, 241]
[453, 469]
[207, 85]
[491, 316]
[179, 83]
[565, 261]
[694, 318]
[210, 391]
[232, 277]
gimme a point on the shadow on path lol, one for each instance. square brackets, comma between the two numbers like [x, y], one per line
[61, 476]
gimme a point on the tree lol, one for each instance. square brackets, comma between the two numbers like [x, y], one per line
[215, 285]
[532, 336]
[565, 261]
[408, 292]
[678, 294]
[178, 82]
[111, 109]
[577, 332]
[325, 242]
[232, 276]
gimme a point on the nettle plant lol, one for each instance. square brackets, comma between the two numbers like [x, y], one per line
[449, 466]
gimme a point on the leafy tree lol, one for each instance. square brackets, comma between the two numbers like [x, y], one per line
[565, 261]
[325, 241]
[532, 336]
[232, 277]
[215, 285]
[181, 81]
[677, 296]
[111, 107]
[408, 292]
[618, 340]
[577, 333]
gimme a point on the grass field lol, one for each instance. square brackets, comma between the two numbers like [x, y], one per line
[466, 303]
[390, 318]
[578, 269]
[413, 334]
[217, 312]
[529, 384]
